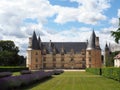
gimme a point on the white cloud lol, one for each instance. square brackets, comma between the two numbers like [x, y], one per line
[114, 22]
[119, 13]
[88, 12]
[14, 12]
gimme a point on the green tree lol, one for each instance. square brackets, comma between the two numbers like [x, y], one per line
[116, 34]
[9, 53]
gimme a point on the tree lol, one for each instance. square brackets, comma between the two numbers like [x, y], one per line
[9, 53]
[116, 34]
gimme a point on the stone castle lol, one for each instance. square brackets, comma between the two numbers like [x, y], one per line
[63, 55]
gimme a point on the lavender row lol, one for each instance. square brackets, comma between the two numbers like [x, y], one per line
[22, 80]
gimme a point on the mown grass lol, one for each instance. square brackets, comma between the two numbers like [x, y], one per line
[76, 81]
[16, 73]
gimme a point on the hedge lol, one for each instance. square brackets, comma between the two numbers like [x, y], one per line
[109, 72]
[96, 71]
[12, 69]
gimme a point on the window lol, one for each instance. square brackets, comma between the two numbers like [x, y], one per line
[72, 59]
[83, 59]
[36, 53]
[54, 59]
[62, 66]
[89, 60]
[44, 65]
[54, 65]
[62, 58]
[44, 59]
[36, 60]
[89, 65]
[89, 52]
[36, 66]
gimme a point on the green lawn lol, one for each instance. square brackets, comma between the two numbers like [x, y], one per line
[16, 73]
[76, 81]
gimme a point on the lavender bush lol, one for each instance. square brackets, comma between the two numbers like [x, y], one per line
[22, 80]
[25, 72]
[5, 74]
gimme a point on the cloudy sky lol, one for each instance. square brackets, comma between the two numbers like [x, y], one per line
[58, 20]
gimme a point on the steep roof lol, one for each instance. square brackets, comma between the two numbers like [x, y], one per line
[77, 46]
[106, 47]
[91, 42]
[39, 42]
[34, 42]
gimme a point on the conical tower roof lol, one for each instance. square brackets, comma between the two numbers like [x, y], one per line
[91, 42]
[106, 47]
[34, 42]
[39, 43]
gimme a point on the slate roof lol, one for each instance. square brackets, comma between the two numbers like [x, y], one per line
[76, 46]
[39, 42]
[34, 41]
[91, 42]
[106, 47]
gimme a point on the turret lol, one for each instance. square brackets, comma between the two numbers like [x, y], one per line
[106, 54]
[93, 52]
[91, 42]
[39, 43]
[34, 53]
[35, 45]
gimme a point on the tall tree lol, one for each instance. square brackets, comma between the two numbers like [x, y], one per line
[9, 53]
[116, 34]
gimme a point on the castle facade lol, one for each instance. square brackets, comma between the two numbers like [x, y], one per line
[63, 55]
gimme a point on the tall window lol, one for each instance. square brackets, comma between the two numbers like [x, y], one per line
[44, 65]
[89, 65]
[54, 65]
[89, 52]
[89, 60]
[54, 59]
[36, 53]
[36, 66]
[62, 66]
[36, 60]
[62, 58]
[44, 58]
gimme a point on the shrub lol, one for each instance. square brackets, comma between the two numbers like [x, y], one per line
[12, 82]
[25, 72]
[12, 69]
[111, 72]
[94, 70]
[5, 74]
[57, 71]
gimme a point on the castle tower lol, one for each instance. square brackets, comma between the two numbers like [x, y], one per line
[93, 52]
[34, 53]
[106, 53]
